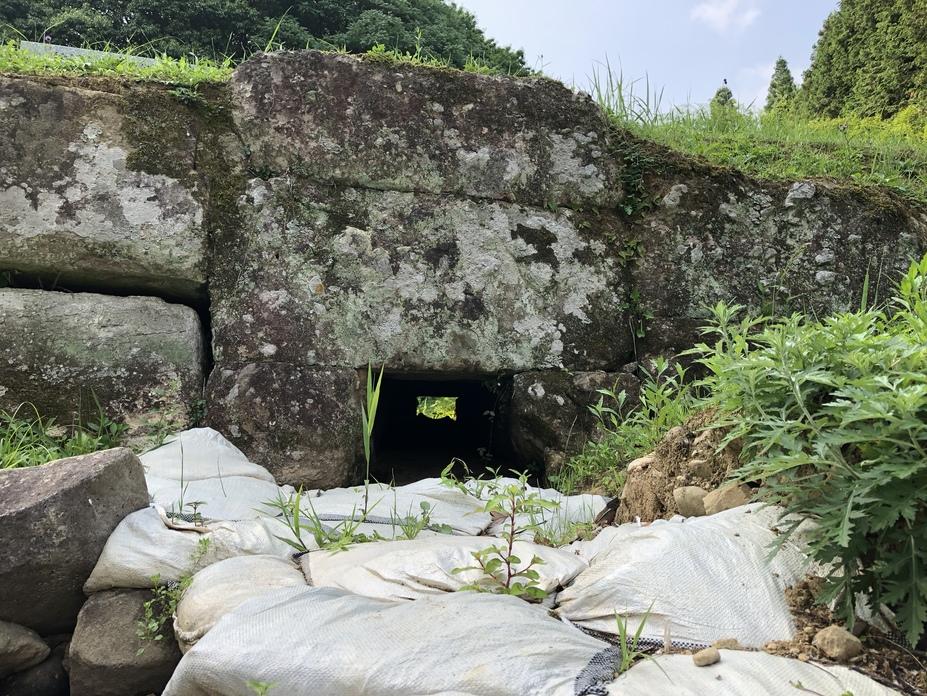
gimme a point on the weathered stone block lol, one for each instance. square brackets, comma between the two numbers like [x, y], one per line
[550, 411]
[717, 235]
[104, 654]
[73, 209]
[303, 424]
[402, 127]
[54, 520]
[340, 276]
[140, 357]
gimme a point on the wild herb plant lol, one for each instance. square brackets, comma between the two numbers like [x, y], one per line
[298, 520]
[501, 570]
[162, 606]
[368, 417]
[624, 433]
[260, 688]
[833, 419]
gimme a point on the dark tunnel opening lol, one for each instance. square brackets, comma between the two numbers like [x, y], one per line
[411, 444]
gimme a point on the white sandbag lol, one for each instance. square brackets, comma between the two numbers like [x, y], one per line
[462, 513]
[223, 586]
[742, 674]
[326, 641]
[200, 453]
[145, 544]
[424, 566]
[226, 498]
[705, 579]
[606, 536]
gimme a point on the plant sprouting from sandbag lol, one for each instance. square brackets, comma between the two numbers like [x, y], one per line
[260, 688]
[160, 609]
[630, 644]
[502, 571]
[298, 520]
[368, 417]
[412, 525]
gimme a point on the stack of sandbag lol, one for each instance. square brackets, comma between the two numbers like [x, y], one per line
[223, 586]
[696, 581]
[147, 543]
[422, 567]
[199, 470]
[448, 508]
[327, 641]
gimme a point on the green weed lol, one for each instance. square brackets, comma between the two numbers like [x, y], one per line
[624, 433]
[175, 71]
[781, 144]
[162, 606]
[497, 563]
[28, 439]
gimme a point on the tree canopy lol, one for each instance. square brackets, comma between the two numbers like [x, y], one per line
[870, 59]
[236, 28]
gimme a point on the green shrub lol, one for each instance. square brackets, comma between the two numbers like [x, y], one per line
[833, 419]
[624, 434]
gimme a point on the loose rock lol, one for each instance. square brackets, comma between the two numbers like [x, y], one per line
[104, 655]
[708, 656]
[689, 500]
[837, 643]
[48, 678]
[20, 648]
[54, 521]
[727, 497]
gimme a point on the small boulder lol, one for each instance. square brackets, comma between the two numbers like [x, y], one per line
[54, 521]
[727, 644]
[689, 500]
[708, 656]
[48, 678]
[20, 648]
[104, 655]
[837, 643]
[727, 497]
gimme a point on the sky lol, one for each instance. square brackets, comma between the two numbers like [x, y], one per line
[685, 47]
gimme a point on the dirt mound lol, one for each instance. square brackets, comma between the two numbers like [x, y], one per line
[688, 456]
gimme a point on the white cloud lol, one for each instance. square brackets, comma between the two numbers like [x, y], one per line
[724, 15]
[752, 84]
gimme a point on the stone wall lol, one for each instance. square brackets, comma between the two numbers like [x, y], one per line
[324, 212]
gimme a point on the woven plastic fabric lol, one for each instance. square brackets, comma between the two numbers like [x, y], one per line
[424, 566]
[742, 674]
[702, 580]
[325, 641]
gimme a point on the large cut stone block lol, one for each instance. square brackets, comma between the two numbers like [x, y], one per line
[775, 247]
[333, 276]
[303, 424]
[104, 655]
[140, 357]
[550, 412]
[73, 209]
[409, 128]
[54, 520]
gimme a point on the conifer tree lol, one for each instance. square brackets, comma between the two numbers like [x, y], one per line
[781, 86]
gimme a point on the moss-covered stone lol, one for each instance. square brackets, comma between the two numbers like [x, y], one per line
[74, 210]
[323, 275]
[405, 127]
[139, 357]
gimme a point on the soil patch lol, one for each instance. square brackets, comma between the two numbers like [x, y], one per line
[884, 658]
